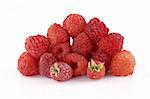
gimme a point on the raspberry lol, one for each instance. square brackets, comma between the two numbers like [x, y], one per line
[95, 70]
[122, 64]
[74, 24]
[61, 50]
[77, 62]
[27, 65]
[111, 44]
[56, 34]
[46, 61]
[99, 55]
[82, 44]
[61, 71]
[37, 45]
[96, 30]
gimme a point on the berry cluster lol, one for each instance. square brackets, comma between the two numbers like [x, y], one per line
[94, 51]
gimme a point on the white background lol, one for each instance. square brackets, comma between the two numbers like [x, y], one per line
[22, 18]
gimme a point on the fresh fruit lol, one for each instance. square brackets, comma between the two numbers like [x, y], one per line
[60, 50]
[77, 62]
[74, 49]
[99, 55]
[56, 34]
[95, 70]
[61, 71]
[27, 65]
[122, 64]
[82, 44]
[74, 24]
[96, 30]
[46, 61]
[37, 45]
[111, 44]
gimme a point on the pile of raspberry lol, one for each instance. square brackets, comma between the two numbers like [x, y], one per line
[76, 48]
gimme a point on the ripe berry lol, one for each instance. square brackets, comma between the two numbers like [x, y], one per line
[46, 61]
[61, 71]
[27, 65]
[122, 64]
[77, 62]
[111, 44]
[82, 44]
[99, 55]
[37, 45]
[96, 30]
[60, 50]
[56, 34]
[95, 70]
[74, 24]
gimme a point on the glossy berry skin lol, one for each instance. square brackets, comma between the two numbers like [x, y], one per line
[60, 50]
[111, 44]
[56, 34]
[82, 44]
[27, 65]
[95, 70]
[46, 61]
[61, 71]
[77, 62]
[122, 64]
[74, 24]
[96, 30]
[37, 45]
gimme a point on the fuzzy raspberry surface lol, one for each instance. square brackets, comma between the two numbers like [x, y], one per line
[27, 65]
[122, 63]
[37, 45]
[74, 24]
[77, 62]
[61, 71]
[56, 34]
[99, 55]
[96, 30]
[82, 44]
[112, 43]
[60, 50]
[95, 70]
[46, 61]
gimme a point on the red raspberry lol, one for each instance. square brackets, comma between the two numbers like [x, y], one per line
[111, 44]
[74, 24]
[82, 44]
[37, 45]
[61, 50]
[27, 65]
[96, 30]
[46, 61]
[56, 34]
[122, 64]
[99, 55]
[95, 70]
[77, 62]
[61, 71]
